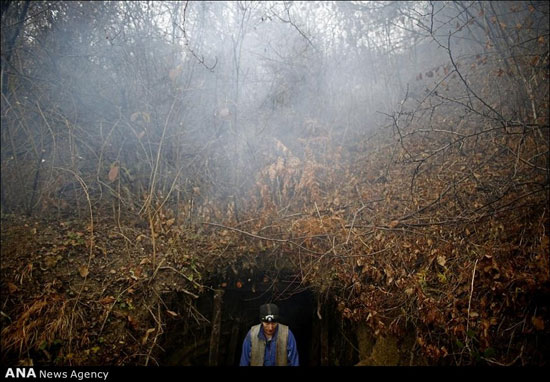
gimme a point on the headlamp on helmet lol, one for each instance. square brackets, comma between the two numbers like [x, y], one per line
[269, 313]
[269, 318]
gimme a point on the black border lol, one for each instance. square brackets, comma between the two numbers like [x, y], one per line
[335, 373]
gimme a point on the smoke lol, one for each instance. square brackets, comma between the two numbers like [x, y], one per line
[202, 95]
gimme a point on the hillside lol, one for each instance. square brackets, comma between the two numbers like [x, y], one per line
[393, 226]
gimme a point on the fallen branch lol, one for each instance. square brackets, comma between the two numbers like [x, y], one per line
[248, 233]
[264, 238]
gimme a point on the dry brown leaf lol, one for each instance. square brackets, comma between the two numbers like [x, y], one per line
[145, 261]
[83, 270]
[12, 287]
[51, 261]
[538, 322]
[146, 337]
[107, 300]
[113, 173]
[441, 260]
[394, 224]
[133, 322]
[173, 314]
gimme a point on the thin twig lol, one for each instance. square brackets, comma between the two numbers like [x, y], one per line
[353, 222]
[264, 238]
[157, 334]
[470, 299]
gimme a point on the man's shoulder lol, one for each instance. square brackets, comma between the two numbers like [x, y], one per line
[254, 330]
[254, 327]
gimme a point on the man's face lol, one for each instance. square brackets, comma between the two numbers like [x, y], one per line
[269, 328]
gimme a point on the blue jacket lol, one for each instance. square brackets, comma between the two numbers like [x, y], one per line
[270, 349]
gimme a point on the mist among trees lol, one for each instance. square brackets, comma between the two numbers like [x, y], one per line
[393, 157]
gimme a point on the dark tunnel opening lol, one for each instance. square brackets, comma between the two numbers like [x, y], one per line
[241, 310]
[319, 342]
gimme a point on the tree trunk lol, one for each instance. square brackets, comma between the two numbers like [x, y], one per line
[216, 329]
[11, 44]
[233, 344]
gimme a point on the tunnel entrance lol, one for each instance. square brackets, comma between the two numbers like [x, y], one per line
[320, 342]
[240, 311]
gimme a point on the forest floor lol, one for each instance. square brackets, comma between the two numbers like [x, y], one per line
[64, 303]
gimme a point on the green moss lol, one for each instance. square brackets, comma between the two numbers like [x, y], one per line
[365, 341]
[386, 351]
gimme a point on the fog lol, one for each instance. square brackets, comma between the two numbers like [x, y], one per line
[193, 100]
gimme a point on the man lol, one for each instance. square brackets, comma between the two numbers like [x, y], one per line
[269, 343]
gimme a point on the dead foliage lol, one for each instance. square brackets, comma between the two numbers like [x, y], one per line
[38, 325]
[438, 221]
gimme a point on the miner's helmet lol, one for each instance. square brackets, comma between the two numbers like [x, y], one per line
[269, 313]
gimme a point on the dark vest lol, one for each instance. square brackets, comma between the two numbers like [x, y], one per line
[258, 346]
